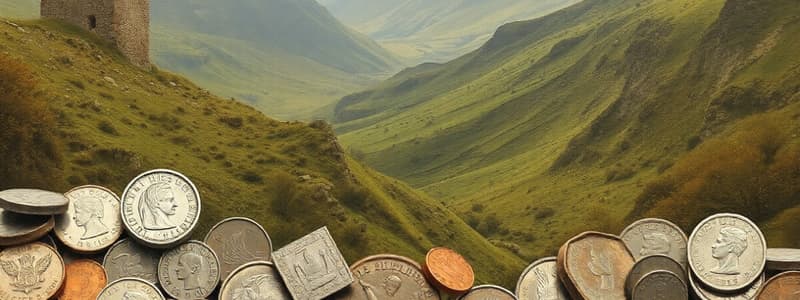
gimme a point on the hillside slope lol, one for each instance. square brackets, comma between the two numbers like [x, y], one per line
[114, 121]
[573, 115]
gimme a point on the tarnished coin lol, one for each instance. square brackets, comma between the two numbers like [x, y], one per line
[129, 259]
[540, 281]
[388, 277]
[189, 271]
[785, 285]
[448, 271]
[654, 263]
[727, 252]
[594, 265]
[704, 293]
[18, 229]
[31, 271]
[33, 202]
[92, 222]
[783, 259]
[483, 292]
[660, 285]
[238, 241]
[312, 267]
[254, 280]
[84, 279]
[130, 289]
[160, 208]
[656, 236]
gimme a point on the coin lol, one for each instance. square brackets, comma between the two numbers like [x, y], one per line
[783, 259]
[238, 241]
[31, 271]
[130, 289]
[704, 293]
[483, 292]
[312, 267]
[129, 259]
[33, 202]
[448, 271]
[254, 280]
[388, 276]
[653, 263]
[727, 252]
[656, 236]
[540, 281]
[18, 229]
[189, 271]
[785, 285]
[92, 222]
[660, 285]
[84, 279]
[160, 208]
[594, 265]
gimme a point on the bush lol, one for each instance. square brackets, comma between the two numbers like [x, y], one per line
[232, 122]
[477, 207]
[252, 177]
[354, 196]
[284, 192]
[107, 127]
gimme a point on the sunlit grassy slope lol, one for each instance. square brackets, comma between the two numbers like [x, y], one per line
[115, 121]
[559, 124]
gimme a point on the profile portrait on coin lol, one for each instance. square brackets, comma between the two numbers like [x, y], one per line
[730, 245]
[133, 296]
[544, 286]
[89, 216]
[190, 266]
[156, 207]
[391, 285]
[654, 243]
[600, 266]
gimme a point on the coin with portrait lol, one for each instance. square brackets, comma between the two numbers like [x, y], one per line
[656, 236]
[130, 289]
[388, 277]
[31, 271]
[92, 221]
[539, 281]
[238, 241]
[254, 281]
[126, 258]
[189, 271]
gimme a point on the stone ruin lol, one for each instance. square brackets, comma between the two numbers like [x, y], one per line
[125, 23]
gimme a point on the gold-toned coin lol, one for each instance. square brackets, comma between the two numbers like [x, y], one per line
[595, 265]
[31, 271]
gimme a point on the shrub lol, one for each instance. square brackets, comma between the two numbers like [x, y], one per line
[354, 196]
[477, 207]
[545, 213]
[77, 83]
[107, 127]
[284, 192]
[232, 122]
[252, 177]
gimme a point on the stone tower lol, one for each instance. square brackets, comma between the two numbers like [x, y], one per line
[126, 23]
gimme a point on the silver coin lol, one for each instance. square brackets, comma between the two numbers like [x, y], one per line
[704, 293]
[540, 281]
[388, 277]
[312, 267]
[92, 222]
[656, 236]
[129, 259]
[189, 271]
[727, 252]
[653, 263]
[130, 289]
[254, 280]
[483, 292]
[160, 208]
[783, 259]
[33, 202]
[18, 229]
[238, 241]
[660, 285]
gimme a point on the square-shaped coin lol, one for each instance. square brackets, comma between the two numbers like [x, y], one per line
[312, 267]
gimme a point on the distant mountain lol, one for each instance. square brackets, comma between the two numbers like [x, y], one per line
[435, 31]
[600, 113]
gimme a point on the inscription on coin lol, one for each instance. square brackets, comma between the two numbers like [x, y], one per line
[254, 281]
[130, 289]
[128, 259]
[160, 208]
[783, 286]
[540, 282]
[238, 241]
[84, 279]
[31, 271]
[727, 252]
[92, 221]
[484, 292]
[656, 236]
[388, 277]
[596, 265]
[660, 285]
[312, 267]
[18, 229]
[189, 271]
[704, 293]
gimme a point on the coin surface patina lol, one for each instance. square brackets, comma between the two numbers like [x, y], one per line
[448, 271]
[594, 265]
[785, 285]
[727, 252]
[33, 202]
[92, 222]
[84, 279]
[540, 281]
[18, 229]
[660, 285]
[654, 263]
[160, 208]
[189, 271]
[254, 280]
[126, 258]
[31, 271]
[493, 292]
[388, 277]
[238, 241]
[130, 289]
[656, 236]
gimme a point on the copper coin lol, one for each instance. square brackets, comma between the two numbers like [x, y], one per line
[84, 279]
[388, 277]
[31, 271]
[785, 285]
[448, 270]
[594, 266]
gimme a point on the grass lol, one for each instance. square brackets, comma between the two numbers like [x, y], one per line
[244, 163]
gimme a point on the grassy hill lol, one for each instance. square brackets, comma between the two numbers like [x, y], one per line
[593, 115]
[75, 112]
[435, 31]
